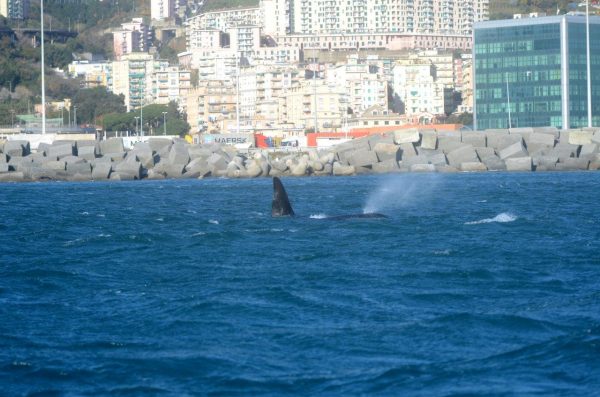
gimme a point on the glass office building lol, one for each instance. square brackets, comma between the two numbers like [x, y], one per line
[533, 72]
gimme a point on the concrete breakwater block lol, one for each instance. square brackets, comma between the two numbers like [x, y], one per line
[494, 163]
[130, 166]
[519, 164]
[112, 145]
[101, 170]
[514, 150]
[407, 150]
[57, 165]
[386, 166]
[580, 137]
[12, 177]
[157, 144]
[545, 161]
[88, 152]
[386, 151]
[429, 140]
[419, 159]
[499, 140]
[59, 150]
[541, 139]
[588, 150]
[44, 148]
[484, 152]
[217, 162]
[144, 154]
[463, 154]
[410, 135]
[474, 138]
[447, 145]
[179, 154]
[472, 167]
[379, 138]
[82, 168]
[573, 164]
[174, 170]
[363, 158]
[343, 170]
[17, 148]
[422, 168]
[198, 151]
[3, 167]
[114, 156]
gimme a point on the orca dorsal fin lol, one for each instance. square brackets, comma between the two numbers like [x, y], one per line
[281, 204]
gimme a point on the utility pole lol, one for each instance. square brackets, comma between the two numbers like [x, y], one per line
[43, 77]
[164, 123]
[237, 106]
[508, 101]
[589, 71]
[315, 92]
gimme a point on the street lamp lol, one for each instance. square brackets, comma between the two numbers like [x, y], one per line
[12, 117]
[75, 116]
[164, 123]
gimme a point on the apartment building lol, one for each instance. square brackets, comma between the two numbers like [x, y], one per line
[376, 41]
[211, 106]
[365, 83]
[224, 19]
[133, 37]
[261, 86]
[92, 74]
[162, 9]
[14, 9]
[171, 84]
[422, 94]
[369, 16]
[299, 108]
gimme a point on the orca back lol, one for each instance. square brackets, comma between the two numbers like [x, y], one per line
[281, 204]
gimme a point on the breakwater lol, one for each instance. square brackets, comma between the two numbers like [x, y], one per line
[413, 150]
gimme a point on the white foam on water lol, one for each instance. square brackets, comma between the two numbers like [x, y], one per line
[503, 217]
[213, 221]
[318, 216]
[160, 219]
[101, 216]
[198, 234]
[84, 213]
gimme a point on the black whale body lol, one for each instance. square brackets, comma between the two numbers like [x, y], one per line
[281, 205]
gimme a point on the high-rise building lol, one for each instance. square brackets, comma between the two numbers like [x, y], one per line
[532, 72]
[14, 9]
[411, 16]
[162, 9]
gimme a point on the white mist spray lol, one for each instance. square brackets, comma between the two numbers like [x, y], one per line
[397, 191]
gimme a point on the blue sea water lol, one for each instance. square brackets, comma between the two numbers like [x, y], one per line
[483, 284]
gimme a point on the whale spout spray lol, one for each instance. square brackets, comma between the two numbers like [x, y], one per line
[281, 205]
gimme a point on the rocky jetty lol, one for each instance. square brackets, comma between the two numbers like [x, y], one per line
[412, 150]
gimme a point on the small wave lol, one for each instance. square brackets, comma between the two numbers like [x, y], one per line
[101, 216]
[198, 234]
[318, 216]
[442, 252]
[213, 221]
[160, 219]
[84, 213]
[500, 218]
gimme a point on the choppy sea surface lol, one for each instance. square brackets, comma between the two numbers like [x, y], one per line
[481, 284]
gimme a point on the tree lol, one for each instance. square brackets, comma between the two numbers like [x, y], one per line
[94, 102]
